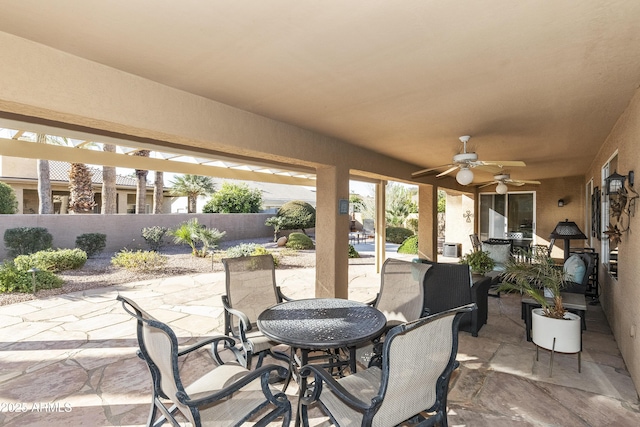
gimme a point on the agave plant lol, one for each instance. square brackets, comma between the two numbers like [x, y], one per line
[533, 277]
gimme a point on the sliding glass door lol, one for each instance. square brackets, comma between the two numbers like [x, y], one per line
[508, 216]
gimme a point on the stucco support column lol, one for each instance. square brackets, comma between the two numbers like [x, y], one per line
[381, 224]
[428, 222]
[332, 233]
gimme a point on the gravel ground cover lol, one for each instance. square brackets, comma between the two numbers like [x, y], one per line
[98, 271]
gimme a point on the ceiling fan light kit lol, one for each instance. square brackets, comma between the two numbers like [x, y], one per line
[464, 176]
[502, 188]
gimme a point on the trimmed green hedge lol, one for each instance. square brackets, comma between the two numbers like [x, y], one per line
[299, 241]
[398, 234]
[53, 260]
[409, 246]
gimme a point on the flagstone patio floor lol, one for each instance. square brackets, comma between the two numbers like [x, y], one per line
[71, 359]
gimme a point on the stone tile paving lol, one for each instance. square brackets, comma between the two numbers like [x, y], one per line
[70, 359]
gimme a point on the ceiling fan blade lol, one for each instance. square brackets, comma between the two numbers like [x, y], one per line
[492, 169]
[530, 182]
[451, 169]
[515, 182]
[502, 163]
[486, 184]
[426, 171]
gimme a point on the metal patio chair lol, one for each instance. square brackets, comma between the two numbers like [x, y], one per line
[400, 299]
[417, 361]
[251, 289]
[229, 394]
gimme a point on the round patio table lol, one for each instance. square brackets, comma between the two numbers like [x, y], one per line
[321, 324]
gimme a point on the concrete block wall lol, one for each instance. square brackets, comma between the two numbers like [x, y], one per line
[125, 230]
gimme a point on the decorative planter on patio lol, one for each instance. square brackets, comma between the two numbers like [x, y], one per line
[557, 335]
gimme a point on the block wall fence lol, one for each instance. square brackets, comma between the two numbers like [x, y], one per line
[125, 230]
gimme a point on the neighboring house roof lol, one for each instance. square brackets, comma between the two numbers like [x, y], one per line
[59, 171]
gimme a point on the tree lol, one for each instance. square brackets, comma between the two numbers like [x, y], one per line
[192, 233]
[108, 184]
[45, 204]
[8, 200]
[141, 186]
[81, 189]
[234, 198]
[357, 202]
[297, 214]
[191, 186]
[399, 204]
[158, 186]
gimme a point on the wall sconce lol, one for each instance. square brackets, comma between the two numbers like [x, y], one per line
[614, 183]
[560, 203]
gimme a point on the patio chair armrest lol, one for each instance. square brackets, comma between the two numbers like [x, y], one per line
[212, 340]
[245, 324]
[263, 373]
[372, 302]
[281, 296]
[322, 376]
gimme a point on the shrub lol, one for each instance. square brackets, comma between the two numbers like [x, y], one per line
[234, 198]
[91, 243]
[297, 214]
[52, 260]
[26, 240]
[12, 279]
[353, 253]
[8, 200]
[299, 241]
[250, 249]
[397, 234]
[154, 236]
[409, 246]
[243, 249]
[144, 261]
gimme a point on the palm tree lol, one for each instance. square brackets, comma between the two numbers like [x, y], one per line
[192, 186]
[158, 186]
[141, 187]
[81, 189]
[45, 205]
[108, 184]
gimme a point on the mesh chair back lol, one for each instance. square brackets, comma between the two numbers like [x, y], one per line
[414, 360]
[159, 347]
[251, 284]
[401, 290]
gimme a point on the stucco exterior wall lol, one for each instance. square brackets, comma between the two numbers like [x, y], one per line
[457, 229]
[620, 298]
[125, 230]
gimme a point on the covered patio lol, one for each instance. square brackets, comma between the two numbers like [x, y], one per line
[360, 90]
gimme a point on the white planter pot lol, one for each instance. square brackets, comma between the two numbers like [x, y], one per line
[567, 332]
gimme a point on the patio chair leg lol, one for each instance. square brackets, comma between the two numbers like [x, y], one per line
[537, 351]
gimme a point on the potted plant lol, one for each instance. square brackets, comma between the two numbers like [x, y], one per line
[479, 261]
[552, 327]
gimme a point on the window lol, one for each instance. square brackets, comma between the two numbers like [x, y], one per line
[510, 216]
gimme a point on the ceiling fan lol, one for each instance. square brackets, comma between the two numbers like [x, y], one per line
[465, 162]
[503, 179]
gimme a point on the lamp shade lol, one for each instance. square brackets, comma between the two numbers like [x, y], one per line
[464, 176]
[567, 230]
[501, 188]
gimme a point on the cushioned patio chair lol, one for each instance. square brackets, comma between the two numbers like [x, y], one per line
[576, 270]
[417, 361]
[227, 395]
[251, 288]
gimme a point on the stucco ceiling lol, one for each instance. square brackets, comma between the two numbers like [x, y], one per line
[542, 81]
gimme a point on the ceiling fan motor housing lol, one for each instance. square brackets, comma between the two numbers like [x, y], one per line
[465, 158]
[502, 177]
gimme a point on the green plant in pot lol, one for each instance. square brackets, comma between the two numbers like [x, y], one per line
[533, 278]
[479, 261]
